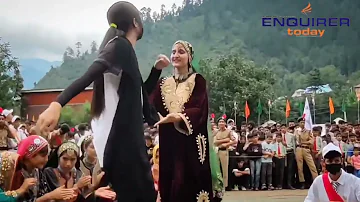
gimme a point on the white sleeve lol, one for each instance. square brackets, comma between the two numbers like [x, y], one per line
[12, 144]
[156, 141]
[76, 137]
[357, 189]
[22, 134]
[313, 195]
[236, 136]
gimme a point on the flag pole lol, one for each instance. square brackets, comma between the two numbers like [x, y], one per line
[269, 113]
[235, 108]
[269, 105]
[245, 112]
[286, 111]
[358, 111]
[235, 116]
[313, 101]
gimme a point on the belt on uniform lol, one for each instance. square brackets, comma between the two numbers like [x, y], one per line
[231, 149]
[222, 149]
[289, 151]
[305, 147]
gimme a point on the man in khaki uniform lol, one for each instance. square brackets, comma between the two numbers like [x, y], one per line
[304, 141]
[223, 140]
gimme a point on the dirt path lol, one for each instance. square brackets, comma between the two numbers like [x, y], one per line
[268, 196]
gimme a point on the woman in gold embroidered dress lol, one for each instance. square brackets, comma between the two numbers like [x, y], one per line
[182, 102]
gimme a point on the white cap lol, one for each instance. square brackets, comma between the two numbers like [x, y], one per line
[230, 120]
[330, 147]
[6, 112]
[21, 125]
[15, 118]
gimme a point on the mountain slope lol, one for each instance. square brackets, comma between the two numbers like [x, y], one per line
[217, 27]
[33, 69]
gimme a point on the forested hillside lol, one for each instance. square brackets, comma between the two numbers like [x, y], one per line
[227, 27]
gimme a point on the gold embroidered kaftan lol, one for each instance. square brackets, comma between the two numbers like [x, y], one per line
[185, 173]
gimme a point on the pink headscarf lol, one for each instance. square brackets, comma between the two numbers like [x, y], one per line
[29, 146]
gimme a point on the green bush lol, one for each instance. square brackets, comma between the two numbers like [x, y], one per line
[73, 116]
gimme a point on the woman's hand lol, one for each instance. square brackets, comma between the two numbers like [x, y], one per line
[61, 193]
[98, 179]
[161, 62]
[49, 118]
[28, 182]
[105, 192]
[83, 182]
[170, 118]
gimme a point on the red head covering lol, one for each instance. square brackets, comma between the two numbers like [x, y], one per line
[29, 146]
[1, 110]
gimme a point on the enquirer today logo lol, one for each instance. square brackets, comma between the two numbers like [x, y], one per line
[305, 26]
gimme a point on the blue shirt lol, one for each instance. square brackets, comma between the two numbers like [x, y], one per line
[267, 148]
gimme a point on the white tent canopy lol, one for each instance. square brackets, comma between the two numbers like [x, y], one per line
[338, 119]
[268, 123]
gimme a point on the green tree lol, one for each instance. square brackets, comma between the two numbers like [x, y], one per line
[314, 78]
[236, 79]
[11, 81]
[75, 116]
[67, 115]
[78, 47]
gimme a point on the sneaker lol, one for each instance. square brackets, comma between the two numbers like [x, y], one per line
[236, 188]
[271, 187]
[256, 189]
[243, 189]
[263, 187]
[291, 187]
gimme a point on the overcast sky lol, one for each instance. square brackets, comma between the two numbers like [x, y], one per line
[44, 28]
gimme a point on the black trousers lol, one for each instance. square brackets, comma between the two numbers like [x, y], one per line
[232, 165]
[290, 168]
[266, 173]
[279, 170]
[242, 181]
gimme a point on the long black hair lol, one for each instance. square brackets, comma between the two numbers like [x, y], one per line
[120, 18]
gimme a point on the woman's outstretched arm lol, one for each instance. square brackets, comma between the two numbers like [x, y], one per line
[109, 59]
[94, 71]
[152, 80]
